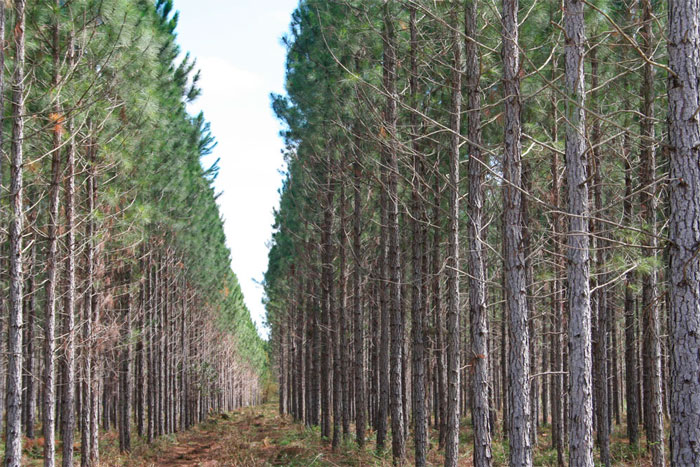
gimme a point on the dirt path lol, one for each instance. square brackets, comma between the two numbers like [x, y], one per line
[249, 437]
[258, 436]
[194, 452]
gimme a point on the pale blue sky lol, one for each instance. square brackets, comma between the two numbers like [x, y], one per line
[237, 47]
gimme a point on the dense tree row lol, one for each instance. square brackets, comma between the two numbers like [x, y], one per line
[491, 217]
[119, 306]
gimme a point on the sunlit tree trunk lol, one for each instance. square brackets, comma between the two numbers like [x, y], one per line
[13, 415]
[68, 415]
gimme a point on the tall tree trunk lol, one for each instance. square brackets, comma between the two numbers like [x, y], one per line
[453, 298]
[478, 315]
[281, 364]
[599, 298]
[360, 411]
[526, 184]
[68, 416]
[515, 283]
[612, 356]
[417, 244]
[342, 343]
[327, 299]
[557, 386]
[335, 332]
[436, 262]
[52, 272]
[650, 308]
[629, 310]
[141, 368]
[13, 415]
[30, 386]
[315, 366]
[125, 385]
[684, 231]
[383, 399]
[93, 377]
[393, 265]
[300, 344]
[580, 364]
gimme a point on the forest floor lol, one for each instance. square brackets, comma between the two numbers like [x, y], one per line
[258, 436]
[253, 436]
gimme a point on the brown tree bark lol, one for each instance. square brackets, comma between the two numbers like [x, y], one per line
[478, 315]
[393, 260]
[514, 255]
[580, 361]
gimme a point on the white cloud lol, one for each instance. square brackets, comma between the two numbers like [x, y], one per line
[237, 48]
[222, 80]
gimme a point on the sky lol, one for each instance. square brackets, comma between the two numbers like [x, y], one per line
[237, 44]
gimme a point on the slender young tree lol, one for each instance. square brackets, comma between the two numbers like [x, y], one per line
[453, 294]
[52, 265]
[13, 415]
[68, 415]
[417, 244]
[630, 321]
[599, 310]
[650, 306]
[358, 327]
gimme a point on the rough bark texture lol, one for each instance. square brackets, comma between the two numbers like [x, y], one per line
[68, 414]
[684, 231]
[478, 315]
[398, 441]
[599, 304]
[650, 306]
[29, 370]
[92, 321]
[13, 414]
[360, 411]
[557, 385]
[436, 262]
[515, 280]
[630, 318]
[580, 364]
[417, 279]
